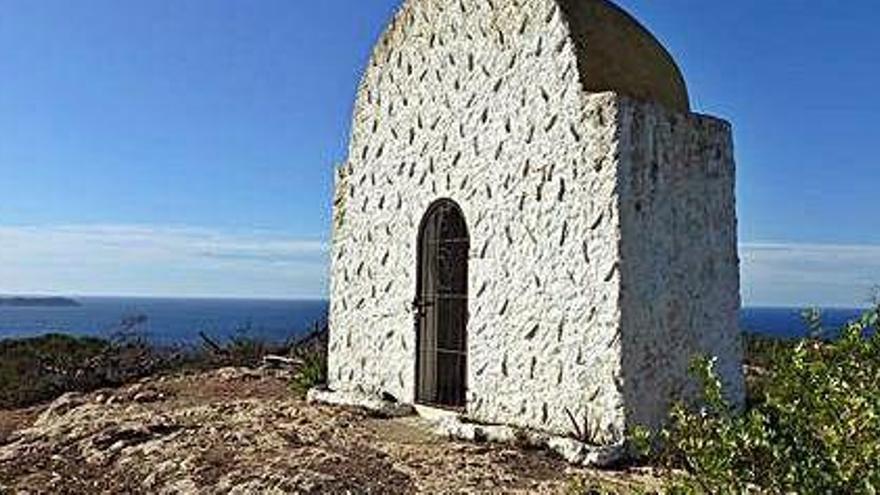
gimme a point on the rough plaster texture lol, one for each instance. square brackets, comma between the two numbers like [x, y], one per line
[484, 103]
[678, 255]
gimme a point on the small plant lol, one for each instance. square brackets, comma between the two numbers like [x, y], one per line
[312, 372]
[639, 443]
[586, 432]
[311, 354]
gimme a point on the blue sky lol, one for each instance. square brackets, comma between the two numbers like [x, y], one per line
[186, 148]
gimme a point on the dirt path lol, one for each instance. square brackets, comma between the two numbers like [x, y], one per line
[240, 431]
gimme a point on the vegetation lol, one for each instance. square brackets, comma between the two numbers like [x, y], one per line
[609, 486]
[311, 357]
[40, 369]
[812, 424]
[307, 356]
[241, 351]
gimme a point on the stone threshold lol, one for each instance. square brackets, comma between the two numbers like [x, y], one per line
[453, 425]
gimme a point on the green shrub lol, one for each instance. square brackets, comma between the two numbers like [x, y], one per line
[311, 354]
[312, 371]
[813, 427]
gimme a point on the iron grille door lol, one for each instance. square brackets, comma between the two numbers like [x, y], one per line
[442, 304]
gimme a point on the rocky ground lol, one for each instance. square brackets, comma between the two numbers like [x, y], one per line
[244, 431]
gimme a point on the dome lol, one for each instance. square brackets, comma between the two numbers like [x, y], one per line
[616, 53]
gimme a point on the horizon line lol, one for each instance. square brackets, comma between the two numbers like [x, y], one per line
[312, 298]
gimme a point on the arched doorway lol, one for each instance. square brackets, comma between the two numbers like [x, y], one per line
[442, 306]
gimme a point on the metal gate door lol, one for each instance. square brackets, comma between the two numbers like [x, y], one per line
[441, 307]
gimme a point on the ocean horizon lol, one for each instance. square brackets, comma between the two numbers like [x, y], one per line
[178, 321]
[169, 321]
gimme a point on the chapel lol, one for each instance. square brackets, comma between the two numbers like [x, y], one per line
[531, 224]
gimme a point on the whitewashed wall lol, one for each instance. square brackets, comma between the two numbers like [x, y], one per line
[680, 267]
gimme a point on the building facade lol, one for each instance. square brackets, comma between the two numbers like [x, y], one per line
[531, 225]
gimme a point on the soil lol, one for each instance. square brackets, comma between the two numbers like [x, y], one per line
[244, 431]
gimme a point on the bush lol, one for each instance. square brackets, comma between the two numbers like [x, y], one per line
[38, 369]
[812, 427]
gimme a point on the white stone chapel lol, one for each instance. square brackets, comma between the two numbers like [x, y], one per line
[531, 224]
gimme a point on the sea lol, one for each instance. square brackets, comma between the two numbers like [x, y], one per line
[179, 322]
[169, 322]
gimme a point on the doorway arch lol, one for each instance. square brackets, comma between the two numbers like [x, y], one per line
[441, 306]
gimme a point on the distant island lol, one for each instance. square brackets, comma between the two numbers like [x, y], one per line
[38, 302]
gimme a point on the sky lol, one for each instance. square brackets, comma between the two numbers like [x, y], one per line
[169, 148]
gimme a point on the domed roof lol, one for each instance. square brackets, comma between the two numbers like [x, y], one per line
[616, 53]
